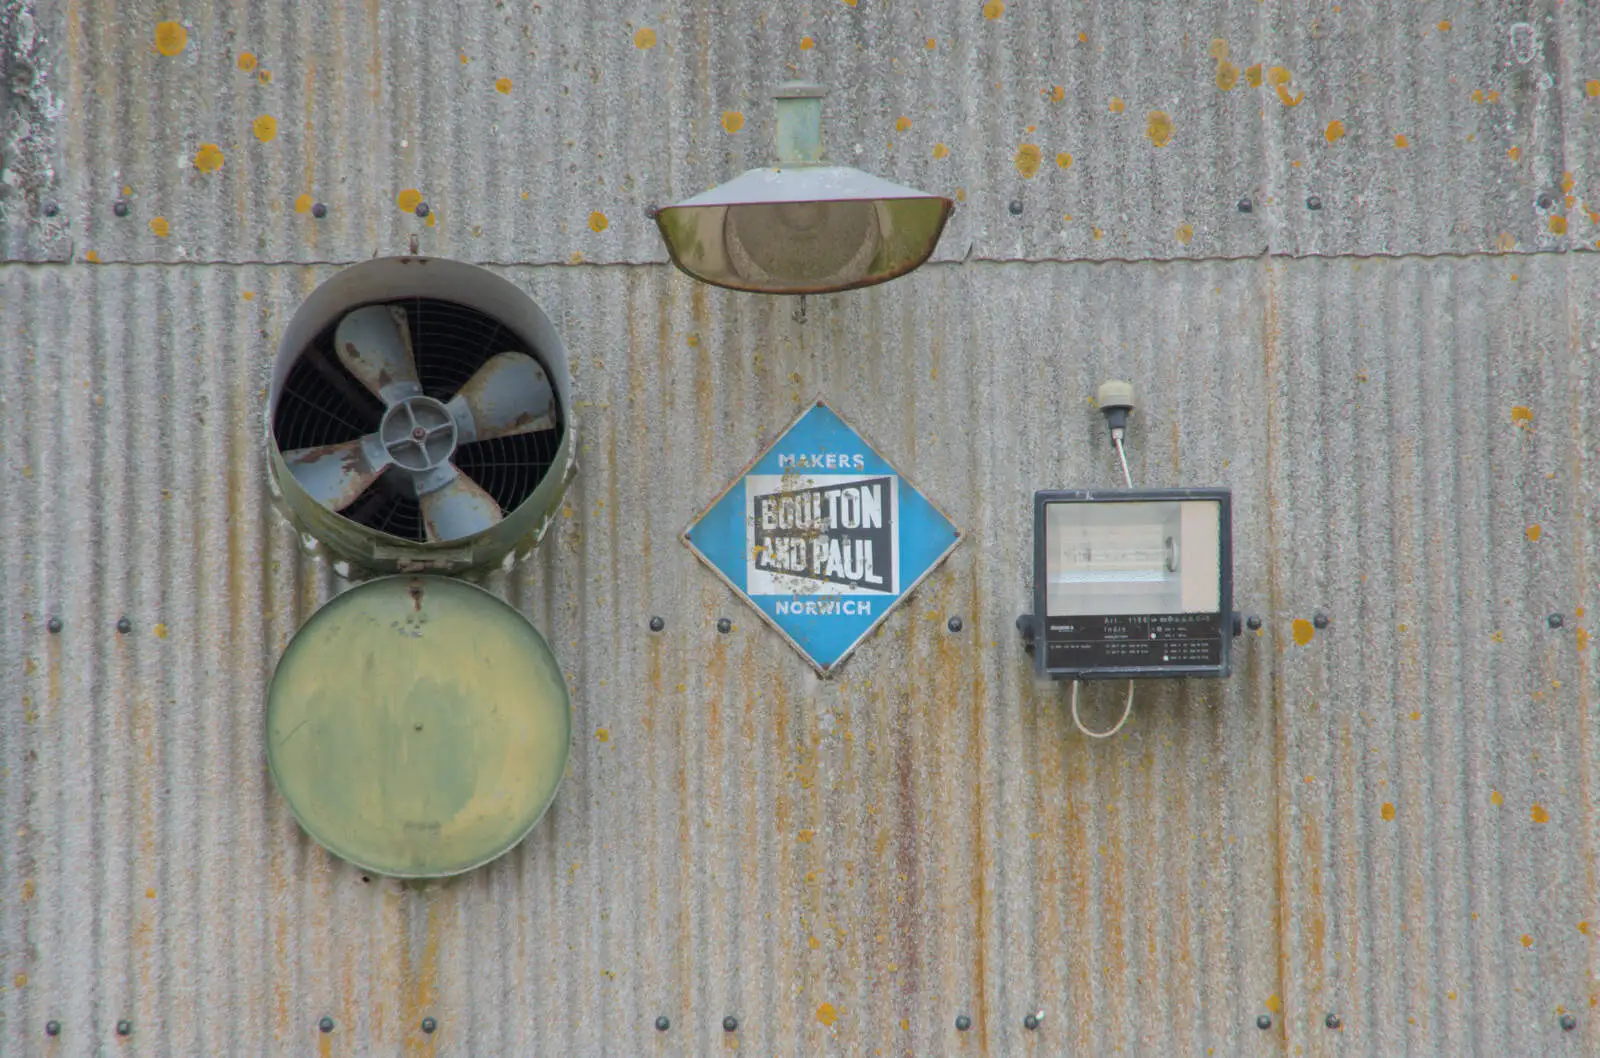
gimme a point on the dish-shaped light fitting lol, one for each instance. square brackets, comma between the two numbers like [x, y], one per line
[803, 226]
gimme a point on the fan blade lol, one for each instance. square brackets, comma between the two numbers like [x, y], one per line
[335, 475]
[508, 395]
[457, 509]
[375, 344]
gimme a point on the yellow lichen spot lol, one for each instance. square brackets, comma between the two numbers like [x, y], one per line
[208, 159]
[961, 194]
[1218, 49]
[430, 220]
[931, 44]
[692, 340]
[602, 734]
[1334, 132]
[813, 943]
[1287, 100]
[248, 295]
[171, 38]
[850, 3]
[28, 889]
[940, 150]
[1185, 233]
[1057, 93]
[1534, 532]
[1567, 183]
[1558, 225]
[806, 44]
[805, 835]
[1400, 140]
[263, 77]
[902, 123]
[826, 1014]
[160, 227]
[1527, 941]
[1581, 637]
[464, 59]
[1158, 128]
[1415, 715]
[149, 894]
[1252, 75]
[732, 121]
[1514, 153]
[302, 204]
[21, 980]
[161, 631]
[1477, 95]
[503, 86]
[1539, 814]
[408, 200]
[1496, 798]
[1278, 75]
[1592, 87]
[265, 127]
[1583, 927]
[1303, 631]
[993, 10]
[1027, 160]
[1083, 38]
[575, 257]
[247, 61]
[1116, 106]
[1506, 242]
[645, 39]
[1444, 27]
[1097, 233]
[1274, 1004]
[1064, 160]
[1387, 811]
[598, 221]
[1227, 75]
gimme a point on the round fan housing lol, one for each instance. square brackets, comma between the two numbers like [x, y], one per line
[419, 417]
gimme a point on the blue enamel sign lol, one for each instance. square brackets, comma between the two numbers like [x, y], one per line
[822, 536]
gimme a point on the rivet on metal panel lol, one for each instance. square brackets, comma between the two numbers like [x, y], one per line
[963, 1023]
[724, 625]
[1568, 1022]
[730, 1024]
[954, 624]
[1320, 619]
[1016, 207]
[1544, 201]
[1313, 202]
[51, 209]
[124, 1028]
[124, 625]
[421, 210]
[326, 1024]
[1332, 1021]
[428, 1025]
[1246, 206]
[52, 1028]
[662, 1024]
[1555, 620]
[1264, 1022]
[652, 211]
[657, 624]
[120, 208]
[54, 626]
[319, 210]
[1253, 623]
[1031, 1022]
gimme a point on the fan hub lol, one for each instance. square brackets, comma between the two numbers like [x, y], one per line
[418, 433]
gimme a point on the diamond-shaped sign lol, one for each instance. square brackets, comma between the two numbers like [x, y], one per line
[822, 536]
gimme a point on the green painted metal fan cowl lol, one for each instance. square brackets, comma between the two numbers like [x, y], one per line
[418, 726]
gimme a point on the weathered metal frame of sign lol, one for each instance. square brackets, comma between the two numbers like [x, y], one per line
[823, 671]
[1044, 498]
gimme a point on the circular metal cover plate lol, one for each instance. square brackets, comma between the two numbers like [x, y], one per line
[418, 726]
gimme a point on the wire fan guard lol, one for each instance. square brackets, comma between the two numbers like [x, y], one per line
[322, 403]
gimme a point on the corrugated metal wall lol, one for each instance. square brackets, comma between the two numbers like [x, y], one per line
[1391, 821]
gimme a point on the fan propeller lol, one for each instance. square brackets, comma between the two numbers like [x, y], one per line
[419, 435]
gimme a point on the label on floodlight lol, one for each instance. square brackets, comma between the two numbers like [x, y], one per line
[822, 536]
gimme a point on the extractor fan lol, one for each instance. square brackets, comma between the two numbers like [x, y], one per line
[418, 418]
[418, 435]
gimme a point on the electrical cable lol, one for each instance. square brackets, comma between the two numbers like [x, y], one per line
[1127, 709]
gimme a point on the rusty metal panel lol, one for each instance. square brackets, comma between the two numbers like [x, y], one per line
[845, 865]
[542, 133]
